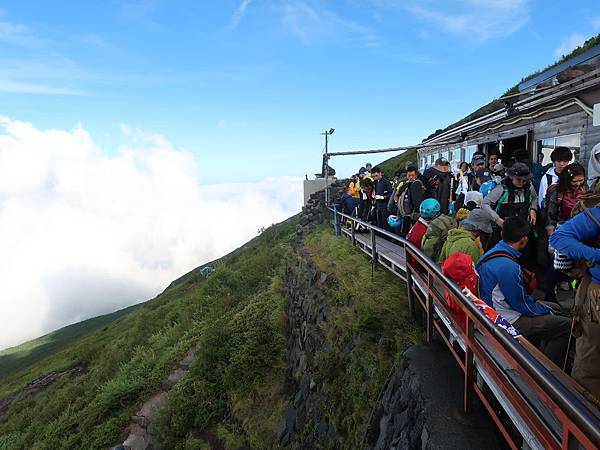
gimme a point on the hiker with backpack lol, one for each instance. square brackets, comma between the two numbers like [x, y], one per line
[440, 183]
[436, 235]
[561, 157]
[558, 206]
[465, 238]
[579, 239]
[515, 196]
[428, 210]
[503, 286]
[409, 196]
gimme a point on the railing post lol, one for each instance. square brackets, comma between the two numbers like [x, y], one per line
[353, 231]
[429, 310]
[373, 252]
[409, 286]
[468, 365]
[336, 221]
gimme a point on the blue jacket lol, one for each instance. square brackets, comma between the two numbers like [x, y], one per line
[573, 238]
[348, 203]
[502, 287]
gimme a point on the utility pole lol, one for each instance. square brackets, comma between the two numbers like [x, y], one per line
[327, 133]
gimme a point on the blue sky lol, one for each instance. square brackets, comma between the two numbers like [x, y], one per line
[247, 85]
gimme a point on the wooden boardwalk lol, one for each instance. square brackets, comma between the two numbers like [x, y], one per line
[393, 257]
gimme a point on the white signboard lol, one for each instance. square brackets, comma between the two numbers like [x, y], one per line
[597, 114]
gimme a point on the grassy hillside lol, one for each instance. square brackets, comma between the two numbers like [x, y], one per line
[19, 357]
[236, 391]
[391, 165]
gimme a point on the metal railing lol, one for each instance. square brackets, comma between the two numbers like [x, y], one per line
[550, 409]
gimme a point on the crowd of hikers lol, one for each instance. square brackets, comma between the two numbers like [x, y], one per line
[496, 225]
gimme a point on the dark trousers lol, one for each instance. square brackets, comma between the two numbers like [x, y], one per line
[553, 276]
[550, 333]
[382, 216]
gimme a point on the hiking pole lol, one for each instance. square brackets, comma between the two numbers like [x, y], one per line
[569, 344]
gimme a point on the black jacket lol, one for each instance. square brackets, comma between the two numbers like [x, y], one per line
[439, 187]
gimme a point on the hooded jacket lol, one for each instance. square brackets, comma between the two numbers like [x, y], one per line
[460, 240]
[593, 172]
[502, 287]
[576, 239]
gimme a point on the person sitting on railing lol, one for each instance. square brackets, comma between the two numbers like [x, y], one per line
[502, 286]
[579, 239]
[383, 192]
[429, 210]
[465, 238]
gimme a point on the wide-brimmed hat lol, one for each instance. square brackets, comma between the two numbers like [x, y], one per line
[478, 220]
[520, 170]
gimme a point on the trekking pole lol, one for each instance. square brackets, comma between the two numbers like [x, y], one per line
[569, 343]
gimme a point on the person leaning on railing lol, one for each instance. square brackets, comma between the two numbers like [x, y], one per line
[579, 239]
[502, 286]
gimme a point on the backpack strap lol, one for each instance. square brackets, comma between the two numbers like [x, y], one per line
[548, 180]
[500, 254]
[591, 216]
[501, 199]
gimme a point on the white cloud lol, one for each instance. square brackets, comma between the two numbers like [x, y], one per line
[311, 24]
[239, 14]
[18, 87]
[19, 35]
[569, 44]
[83, 233]
[479, 20]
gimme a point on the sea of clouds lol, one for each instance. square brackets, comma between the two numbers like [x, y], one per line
[84, 232]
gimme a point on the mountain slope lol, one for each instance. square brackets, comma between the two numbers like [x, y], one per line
[22, 356]
[250, 386]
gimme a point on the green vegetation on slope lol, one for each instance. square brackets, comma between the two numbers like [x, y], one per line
[370, 313]
[125, 361]
[495, 104]
[19, 357]
[235, 393]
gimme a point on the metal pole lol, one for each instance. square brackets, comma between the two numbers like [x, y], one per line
[326, 170]
[336, 221]
[470, 330]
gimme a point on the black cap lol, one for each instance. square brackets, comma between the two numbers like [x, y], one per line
[520, 170]
[442, 162]
[483, 174]
[478, 159]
